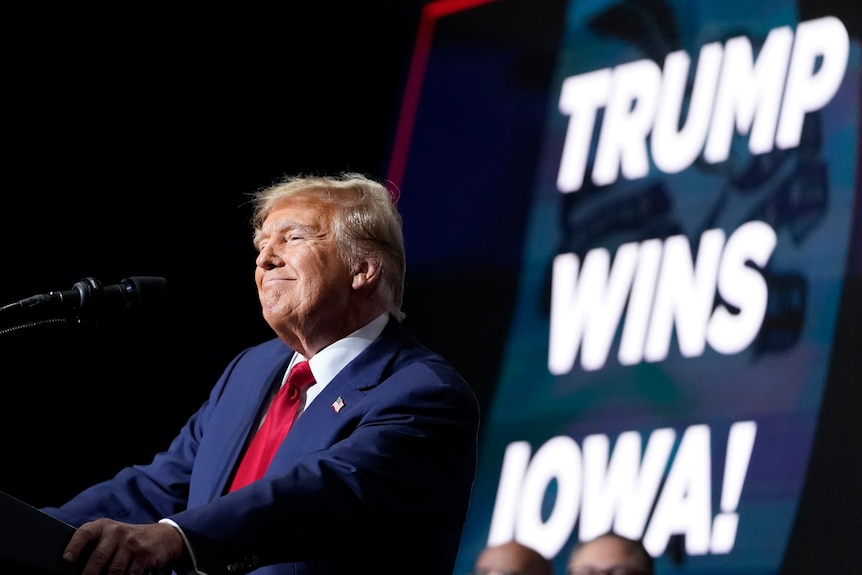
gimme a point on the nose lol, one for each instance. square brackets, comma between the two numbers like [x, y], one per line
[267, 259]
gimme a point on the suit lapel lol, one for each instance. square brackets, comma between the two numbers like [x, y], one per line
[321, 419]
[259, 385]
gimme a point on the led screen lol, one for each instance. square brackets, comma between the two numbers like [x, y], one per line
[660, 197]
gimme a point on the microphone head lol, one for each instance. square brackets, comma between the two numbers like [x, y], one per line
[92, 297]
[152, 288]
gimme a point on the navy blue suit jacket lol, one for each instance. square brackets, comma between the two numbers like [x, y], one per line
[381, 485]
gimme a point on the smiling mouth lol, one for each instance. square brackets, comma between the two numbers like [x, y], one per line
[271, 280]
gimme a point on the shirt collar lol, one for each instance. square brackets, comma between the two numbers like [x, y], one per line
[326, 363]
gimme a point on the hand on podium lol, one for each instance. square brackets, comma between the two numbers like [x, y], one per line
[108, 546]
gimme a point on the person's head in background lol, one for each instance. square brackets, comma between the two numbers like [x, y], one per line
[610, 554]
[511, 558]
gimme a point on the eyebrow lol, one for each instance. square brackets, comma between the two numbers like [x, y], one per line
[281, 226]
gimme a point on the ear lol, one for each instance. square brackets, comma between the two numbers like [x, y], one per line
[366, 273]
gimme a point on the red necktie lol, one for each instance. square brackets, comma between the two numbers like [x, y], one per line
[278, 420]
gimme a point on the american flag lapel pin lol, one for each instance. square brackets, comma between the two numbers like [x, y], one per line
[338, 404]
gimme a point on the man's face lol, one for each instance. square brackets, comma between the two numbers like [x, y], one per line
[604, 556]
[302, 283]
[509, 559]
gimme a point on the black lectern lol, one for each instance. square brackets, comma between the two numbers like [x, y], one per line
[31, 541]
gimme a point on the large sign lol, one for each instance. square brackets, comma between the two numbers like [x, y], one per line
[682, 265]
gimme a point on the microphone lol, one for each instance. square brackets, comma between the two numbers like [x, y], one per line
[88, 294]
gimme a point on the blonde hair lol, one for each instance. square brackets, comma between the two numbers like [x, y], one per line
[366, 224]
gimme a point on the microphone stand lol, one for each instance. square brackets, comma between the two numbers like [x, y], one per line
[70, 319]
